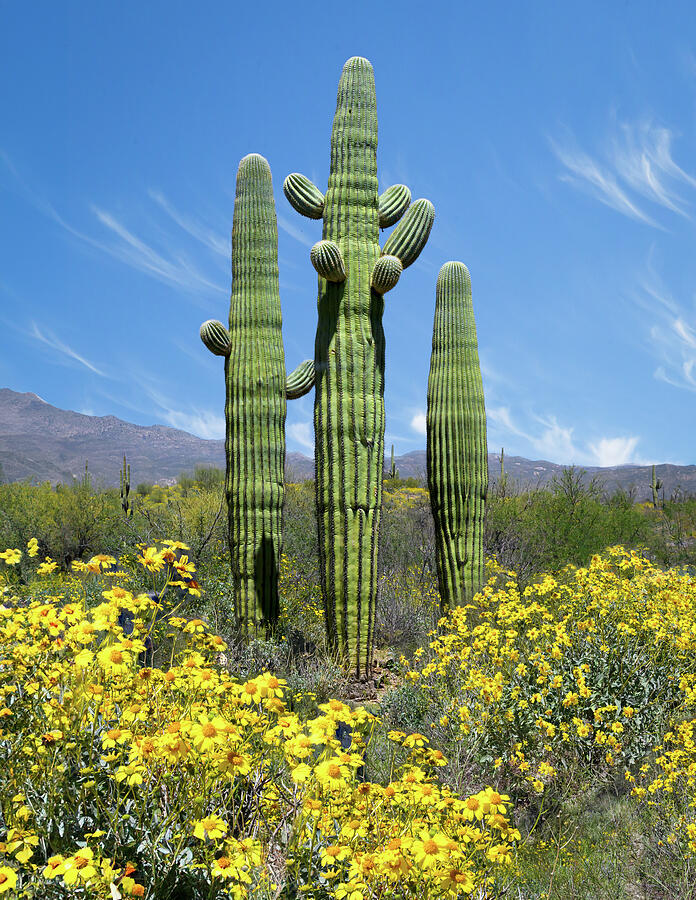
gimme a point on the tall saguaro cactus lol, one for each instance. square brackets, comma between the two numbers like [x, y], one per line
[655, 486]
[457, 454]
[349, 354]
[255, 404]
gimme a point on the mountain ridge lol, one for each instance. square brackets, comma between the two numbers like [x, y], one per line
[159, 453]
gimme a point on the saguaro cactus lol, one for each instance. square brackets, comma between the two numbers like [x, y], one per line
[457, 453]
[255, 404]
[125, 488]
[393, 472]
[349, 354]
[655, 486]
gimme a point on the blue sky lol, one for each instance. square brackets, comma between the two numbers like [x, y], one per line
[556, 140]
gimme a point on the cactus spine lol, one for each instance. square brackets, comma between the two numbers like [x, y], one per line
[255, 404]
[349, 356]
[457, 456]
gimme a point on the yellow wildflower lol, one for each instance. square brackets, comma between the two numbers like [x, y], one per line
[211, 827]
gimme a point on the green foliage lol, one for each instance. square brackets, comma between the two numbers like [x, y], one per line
[565, 851]
[69, 521]
[544, 529]
[204, 478]
[672, 532]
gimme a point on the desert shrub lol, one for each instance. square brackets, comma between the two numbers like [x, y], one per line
[198, 520]
[300, 529]
[569, 681]
[407, 611]
[182, 779]
[672, 531]
[545, 529]
[407, 539]
[69, 522]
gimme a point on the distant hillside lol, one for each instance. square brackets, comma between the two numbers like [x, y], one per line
[43, 443]
[525, 473]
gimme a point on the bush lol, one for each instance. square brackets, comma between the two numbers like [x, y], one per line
[181, 780]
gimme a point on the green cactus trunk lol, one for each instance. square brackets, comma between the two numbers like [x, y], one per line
[354, 275]
[457, 453]
[255, 406]
[257, 391]
[349, 360]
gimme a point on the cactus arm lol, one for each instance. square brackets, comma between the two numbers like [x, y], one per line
[386, 273]
[304, 196]
[393, 203]
[457, 458]
[216, 337]
[327, 259]
[412, 233]
[300, 381]
[255, 406]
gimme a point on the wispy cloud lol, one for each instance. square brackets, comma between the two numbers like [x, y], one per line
[201, 233]
[586, 173]
[671, 330]
[289, 228]
[614, 451]
[133, 251]
[643, 158]
[170, 265]
[202, 422]
[556, 442]
[636, 161]
[46, 337]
